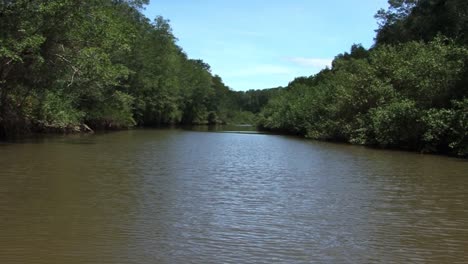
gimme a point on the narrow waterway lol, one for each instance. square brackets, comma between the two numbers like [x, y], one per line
[178, 196]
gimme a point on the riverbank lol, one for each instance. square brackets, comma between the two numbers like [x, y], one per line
[371, 146]
[224, 128]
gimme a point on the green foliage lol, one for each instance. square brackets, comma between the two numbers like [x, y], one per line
[65, 62]
[426, 73]
[253, 100]
[395, 124]
[447, 129]
[458, 138]
[409, 20]
[57, 111]
[410, 95]
[437, 124]
[242, 118]
[115, 113]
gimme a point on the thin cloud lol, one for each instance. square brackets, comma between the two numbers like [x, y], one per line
[311, 62]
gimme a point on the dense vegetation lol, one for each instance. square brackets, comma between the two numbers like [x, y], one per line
[408, 91]
[66, 63]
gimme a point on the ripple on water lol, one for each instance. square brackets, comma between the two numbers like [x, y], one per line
[172, 196]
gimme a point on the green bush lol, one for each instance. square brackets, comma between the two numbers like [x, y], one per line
[57, 111]
[116, 112]
[395, 124]
[459, 130]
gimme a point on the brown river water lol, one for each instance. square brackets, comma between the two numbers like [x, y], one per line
[180, 196]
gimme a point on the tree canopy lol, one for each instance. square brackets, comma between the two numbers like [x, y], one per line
[408, 91]
[64, 63]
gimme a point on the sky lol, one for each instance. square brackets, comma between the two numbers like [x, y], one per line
[257, 44]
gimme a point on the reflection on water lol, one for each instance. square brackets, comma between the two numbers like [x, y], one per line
[178, 196]
[237, 129]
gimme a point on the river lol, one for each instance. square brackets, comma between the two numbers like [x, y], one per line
[180, 196]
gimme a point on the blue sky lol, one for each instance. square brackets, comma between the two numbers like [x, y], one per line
[256, 44]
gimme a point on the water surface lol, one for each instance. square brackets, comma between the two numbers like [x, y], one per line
[177, 196]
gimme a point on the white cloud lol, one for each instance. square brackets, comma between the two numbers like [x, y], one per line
[311, 62]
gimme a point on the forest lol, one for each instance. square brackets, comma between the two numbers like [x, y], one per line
[408, 91]
[69, 66]
[73, 66]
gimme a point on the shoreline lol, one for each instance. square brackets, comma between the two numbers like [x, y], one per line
[257, 131]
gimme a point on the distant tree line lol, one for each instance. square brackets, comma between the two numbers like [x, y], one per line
[410, 90]
[66, 63]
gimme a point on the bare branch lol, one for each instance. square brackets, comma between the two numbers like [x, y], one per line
[75, 69]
